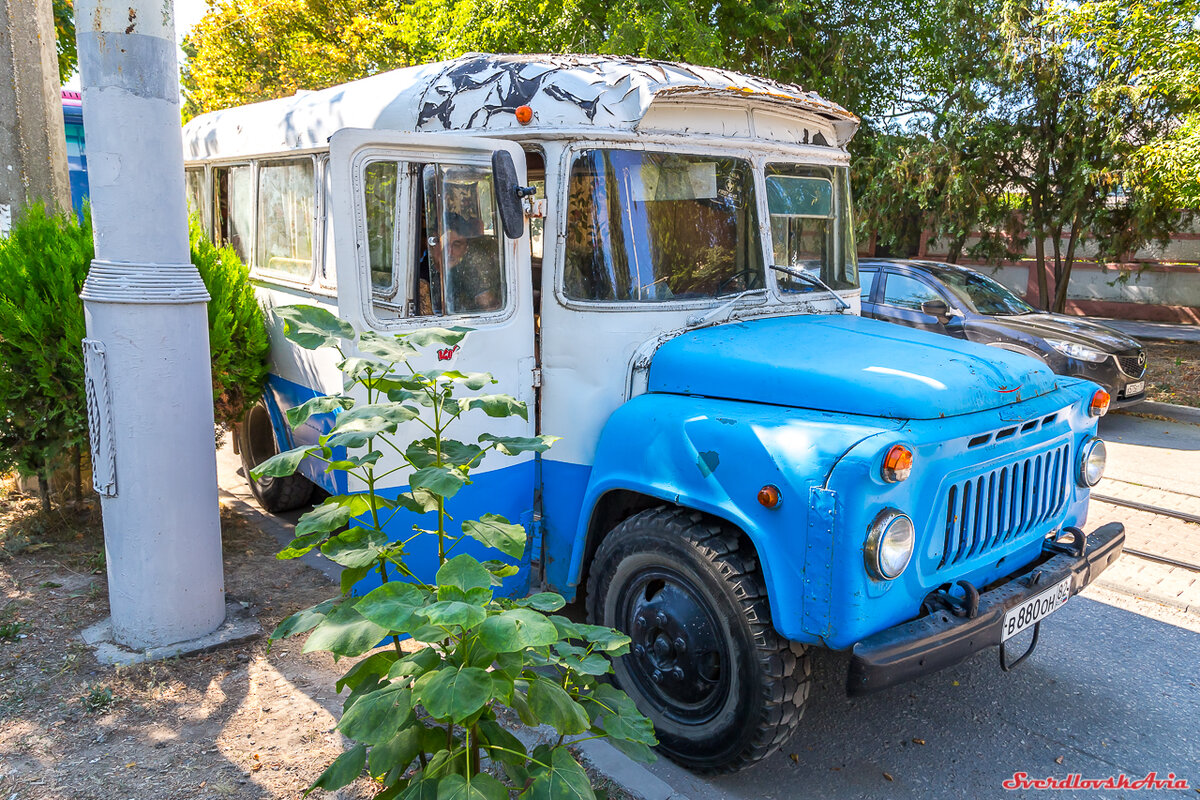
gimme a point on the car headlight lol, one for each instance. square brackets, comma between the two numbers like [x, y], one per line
[890, 544]
[1076, 350]
[1092, 458]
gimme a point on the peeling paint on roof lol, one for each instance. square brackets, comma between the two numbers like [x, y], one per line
[479, 93]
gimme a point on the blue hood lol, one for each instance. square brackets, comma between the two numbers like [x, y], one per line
[846, 364]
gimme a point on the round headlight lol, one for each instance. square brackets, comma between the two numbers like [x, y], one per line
[889, 544]
[1091, 462]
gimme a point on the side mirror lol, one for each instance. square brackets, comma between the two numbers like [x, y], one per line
[937, 308]
[509, 193]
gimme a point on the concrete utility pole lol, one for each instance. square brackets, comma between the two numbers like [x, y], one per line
[148, 365]
[33, 150]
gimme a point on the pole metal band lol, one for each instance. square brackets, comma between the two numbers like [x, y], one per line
[156, 284]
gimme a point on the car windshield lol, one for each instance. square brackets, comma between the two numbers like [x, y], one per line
[654, 227]
[984, 295]
[811, 226]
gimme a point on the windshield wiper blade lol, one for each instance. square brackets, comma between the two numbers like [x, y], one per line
[812, 279]
[726, 308]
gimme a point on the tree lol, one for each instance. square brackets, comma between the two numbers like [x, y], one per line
[64, 31]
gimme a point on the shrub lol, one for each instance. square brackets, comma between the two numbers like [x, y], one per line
[43, 406]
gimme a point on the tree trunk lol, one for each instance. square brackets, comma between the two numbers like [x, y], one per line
[1039, 250]
[1060, 295]
[955, 251]
[44, 491]
[1058, 277]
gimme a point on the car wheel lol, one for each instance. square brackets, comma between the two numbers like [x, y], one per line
[256, 443]
[706, 666]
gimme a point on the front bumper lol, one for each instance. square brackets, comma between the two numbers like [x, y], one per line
[941, 640]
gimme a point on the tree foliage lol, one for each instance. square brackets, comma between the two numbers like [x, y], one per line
[64, 32]
[43, 406]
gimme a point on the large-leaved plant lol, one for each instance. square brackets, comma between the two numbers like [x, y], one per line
[426, 721]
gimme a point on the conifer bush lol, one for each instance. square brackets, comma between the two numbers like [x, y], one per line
[43, 405]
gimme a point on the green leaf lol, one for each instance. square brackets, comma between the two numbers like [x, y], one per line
[564, 780]
[495, 531]
[345, 632]
[424, 785]
[313, 327]
[351, 576]
[512, 445]
[354, 428]
[317, 405]
[416, 664]
[376, 716]
[635, 750]
[495, 737]
[418, 501]
[442, 481]
[331, 515]
[303, 621]
[358, 369]
[392, 605]
[357, 547]
[554, 706]
[444, 336]
[496, 405]
[283, 464]
[500, 569]
[394, 755]
[354, 462]
[447, 613]
[456, 694]
[472, 380]
[515, 630]
[594, 664]
[344, 769]
[544, 601]
[299, 546]
[388, 347]
[464, 572]
[607, 639]
[375, 665]
[614, 711]
[423, 453]
[478, 787]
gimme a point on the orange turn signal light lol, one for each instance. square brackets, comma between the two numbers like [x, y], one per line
[1100, 401]
[897, 464]
[524, 114]
[769, 496]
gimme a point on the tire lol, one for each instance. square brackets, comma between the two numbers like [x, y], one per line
[256, 443]
[723, 689]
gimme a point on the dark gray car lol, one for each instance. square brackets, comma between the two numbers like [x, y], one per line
[961, 302]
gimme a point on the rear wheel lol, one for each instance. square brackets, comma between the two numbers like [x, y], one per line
[256, 443]
[706, 666]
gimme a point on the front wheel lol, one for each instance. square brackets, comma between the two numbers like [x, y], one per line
[723, 689]
[256, 443]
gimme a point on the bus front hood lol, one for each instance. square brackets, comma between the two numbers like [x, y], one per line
[846, 364]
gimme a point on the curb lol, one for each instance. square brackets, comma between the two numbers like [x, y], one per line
[1140, 593]
[1173, 412]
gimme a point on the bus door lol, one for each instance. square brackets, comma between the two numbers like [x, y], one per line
[420, 244]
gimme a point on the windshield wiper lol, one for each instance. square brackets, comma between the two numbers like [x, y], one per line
[725, 308]
[812, 279]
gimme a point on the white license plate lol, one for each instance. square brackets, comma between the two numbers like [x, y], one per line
[1035, 609]
[1134, 388]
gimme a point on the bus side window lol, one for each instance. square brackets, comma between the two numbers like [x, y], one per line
[287, 202]
[233, 208]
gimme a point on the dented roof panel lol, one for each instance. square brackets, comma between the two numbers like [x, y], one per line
[480, 92]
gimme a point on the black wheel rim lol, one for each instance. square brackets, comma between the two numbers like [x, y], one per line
[678, 658]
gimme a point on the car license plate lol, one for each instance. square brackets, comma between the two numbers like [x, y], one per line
[1134, 388]
[1035, 609]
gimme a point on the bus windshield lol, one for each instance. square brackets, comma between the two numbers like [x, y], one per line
[655, 227]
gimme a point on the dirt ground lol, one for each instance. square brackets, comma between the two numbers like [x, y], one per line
[236, 723]
[1173, 372]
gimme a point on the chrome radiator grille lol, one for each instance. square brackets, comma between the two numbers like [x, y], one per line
[992, 509]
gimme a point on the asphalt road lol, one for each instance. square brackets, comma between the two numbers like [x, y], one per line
[1113, 687]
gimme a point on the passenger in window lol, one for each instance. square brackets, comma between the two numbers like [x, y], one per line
[472, 266]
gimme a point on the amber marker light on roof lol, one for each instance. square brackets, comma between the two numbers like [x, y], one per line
[524, 114]
[1100, 402]
[770, 497]
[897, 464]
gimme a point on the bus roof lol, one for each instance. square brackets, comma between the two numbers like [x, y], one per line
[479, 93]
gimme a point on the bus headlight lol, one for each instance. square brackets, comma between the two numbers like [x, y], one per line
[890, 544]
[1092, 458]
